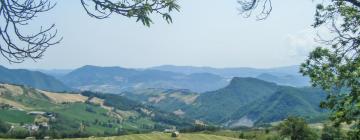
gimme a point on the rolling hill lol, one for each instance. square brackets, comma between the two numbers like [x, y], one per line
[286, 101]
[117, 79]
[32, 79]
[244, 102]
[216, 105]
[164, 99]
[251, 100]
[95, 114]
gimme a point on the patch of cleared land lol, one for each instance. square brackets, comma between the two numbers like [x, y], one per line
[14, 104]
[157, 99]
[100, 102]
[187, 99]
[163, 136]
[65, 97]
[15, 90]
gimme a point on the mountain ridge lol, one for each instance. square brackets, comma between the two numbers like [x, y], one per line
[287, 75]
[34, 79]
[244, 102]
[117, 79]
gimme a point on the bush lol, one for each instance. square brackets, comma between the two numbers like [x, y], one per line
[296, 128]
[332, 133]
[241, 136]
[353, 135]
[4, 127]
[276, 137]
[267, 131]
[19, 133]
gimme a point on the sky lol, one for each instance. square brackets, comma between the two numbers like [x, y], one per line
[204, 33]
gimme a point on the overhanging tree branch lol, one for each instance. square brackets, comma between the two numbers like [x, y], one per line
[15, 45]
[354, 2]
[250, 6]
[139, 9]
[15, 15]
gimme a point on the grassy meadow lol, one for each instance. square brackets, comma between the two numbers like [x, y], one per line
[162, 136]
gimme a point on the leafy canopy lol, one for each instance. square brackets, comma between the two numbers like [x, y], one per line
[296, 129]
[336, 66]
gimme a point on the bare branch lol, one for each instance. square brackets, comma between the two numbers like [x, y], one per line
[264, 7]
[15, 45]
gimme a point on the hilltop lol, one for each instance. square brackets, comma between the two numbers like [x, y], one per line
[33, 79]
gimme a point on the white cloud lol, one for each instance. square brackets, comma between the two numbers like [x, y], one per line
[301, 43]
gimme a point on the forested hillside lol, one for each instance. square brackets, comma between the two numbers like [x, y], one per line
[117, 79]
[244, 102]
[32, 79]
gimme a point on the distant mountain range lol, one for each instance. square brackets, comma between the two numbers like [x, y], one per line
[244, 102]
[197, 79]
[117, 79]
[283, 75]
[57, 73]
[33, 79]
[288, 80]
[230, 72]
[208, 94]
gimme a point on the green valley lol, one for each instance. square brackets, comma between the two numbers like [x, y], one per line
[77, 115]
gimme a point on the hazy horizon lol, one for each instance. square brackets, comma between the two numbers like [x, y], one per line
[60, 69]
[199, 36]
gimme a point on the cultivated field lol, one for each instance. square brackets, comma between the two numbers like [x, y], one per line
[164, 136]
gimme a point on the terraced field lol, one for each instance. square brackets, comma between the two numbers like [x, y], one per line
[163, 136]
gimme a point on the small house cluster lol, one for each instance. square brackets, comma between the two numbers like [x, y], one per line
[41, 121]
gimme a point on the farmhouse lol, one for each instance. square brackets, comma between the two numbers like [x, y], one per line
[31, 127]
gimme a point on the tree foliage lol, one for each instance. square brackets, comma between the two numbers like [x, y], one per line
[296, 129]
[248, 7]
[4, 127]
[139, 9]
[335, 67]
[330, 132]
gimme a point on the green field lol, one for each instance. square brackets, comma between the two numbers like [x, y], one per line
[15, 116]
[163, 136]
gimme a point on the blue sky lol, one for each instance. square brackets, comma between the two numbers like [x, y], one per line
[204, 33]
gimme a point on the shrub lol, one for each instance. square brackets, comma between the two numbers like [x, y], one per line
[19, 133]
[332, 133]
[4, 127]
[296, 128]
